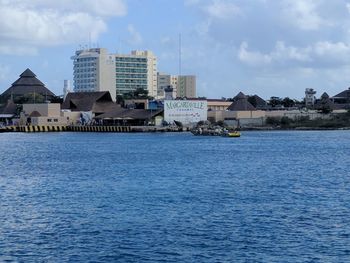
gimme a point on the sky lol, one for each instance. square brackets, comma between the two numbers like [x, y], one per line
[264, 47]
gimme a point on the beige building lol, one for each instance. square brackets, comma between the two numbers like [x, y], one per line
[136, 70]
[94, 70]
[165, 80]
[218, 105]
[186, 87]
[47, 114]
[97, 70]
[221, 115]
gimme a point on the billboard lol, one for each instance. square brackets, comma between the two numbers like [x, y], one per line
[185, 111]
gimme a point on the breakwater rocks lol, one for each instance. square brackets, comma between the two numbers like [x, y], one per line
[209, 130]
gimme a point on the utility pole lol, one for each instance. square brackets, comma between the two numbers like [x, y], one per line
[180, 54]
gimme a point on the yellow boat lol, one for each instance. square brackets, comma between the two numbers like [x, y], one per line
[234, 134]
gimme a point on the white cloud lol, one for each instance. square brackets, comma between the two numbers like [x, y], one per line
[222, 9]
[319, 54]
[16, 50]
[136, 37]
[283, 52]
[337, 50]
[93, 7]
[26, 25]
[253, 58]
[303, 14]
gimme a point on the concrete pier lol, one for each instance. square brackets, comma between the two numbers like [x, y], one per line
[115, 129]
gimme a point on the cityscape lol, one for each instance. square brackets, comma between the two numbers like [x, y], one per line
[174, 131]
[129, 90]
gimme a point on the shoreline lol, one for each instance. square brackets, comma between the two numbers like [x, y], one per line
[145, 129]
[301, 128]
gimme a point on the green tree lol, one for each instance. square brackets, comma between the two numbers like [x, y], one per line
[275, 101]
[30, 98]
[139, 93]
[287, 102]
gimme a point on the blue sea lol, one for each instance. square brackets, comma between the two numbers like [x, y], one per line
[174, 197]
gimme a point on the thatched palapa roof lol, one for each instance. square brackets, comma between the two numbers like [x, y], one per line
[97, 102]
[241, 103]
[27, 83]
[9, 108]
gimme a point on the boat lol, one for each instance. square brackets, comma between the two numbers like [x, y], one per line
[215, 131]
[234, 134]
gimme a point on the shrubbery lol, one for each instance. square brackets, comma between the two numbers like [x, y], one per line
[335, 121]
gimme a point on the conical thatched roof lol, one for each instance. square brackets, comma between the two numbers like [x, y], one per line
[240, 96]
[259, 101]
[9, 108]
[324, 102]
[241, 103]
[27, 83]
[35, 114]
[325, 95]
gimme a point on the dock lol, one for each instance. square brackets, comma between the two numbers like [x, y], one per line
[80, 128]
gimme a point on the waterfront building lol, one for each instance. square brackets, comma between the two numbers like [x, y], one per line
[94, 70]
[7, 112]
[258, 102]
[45, 114]
[342, 99]
[136, 70]
[240, 113]
[241, 103]
[186, 86]
[218, 105]
[165, 80]
[168, 93]
[136, 103]
[310, 98]
[324, 104]
[97, 102]
[27, 87]
[132, 117]
[185, 111]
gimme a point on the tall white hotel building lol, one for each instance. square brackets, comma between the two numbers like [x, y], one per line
[96, 70]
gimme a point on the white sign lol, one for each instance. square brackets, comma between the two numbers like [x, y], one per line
[185, 111]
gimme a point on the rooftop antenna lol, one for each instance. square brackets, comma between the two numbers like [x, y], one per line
[89, 39]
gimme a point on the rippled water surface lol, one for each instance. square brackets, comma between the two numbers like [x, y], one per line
[95, 197]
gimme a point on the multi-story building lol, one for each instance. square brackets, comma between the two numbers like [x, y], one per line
[94, 70]
[310, 97]
[136, 70]
[186, 87]
[164, 81]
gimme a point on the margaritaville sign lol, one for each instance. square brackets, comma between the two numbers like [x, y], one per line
[185, 111]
